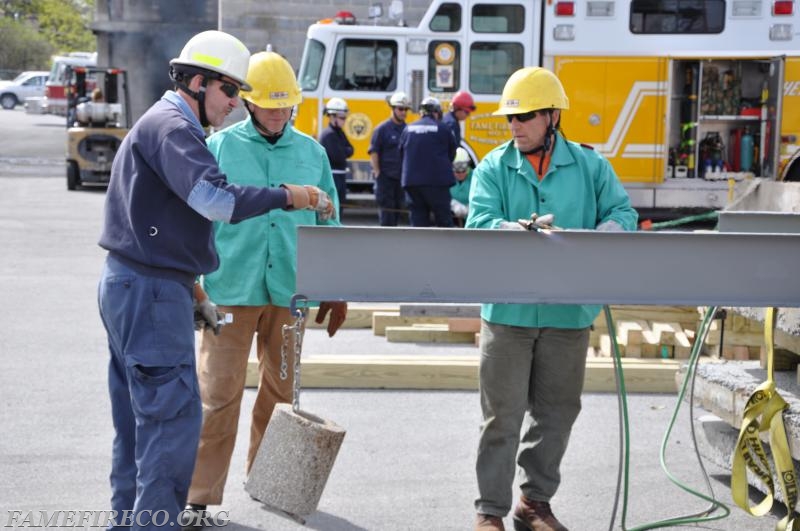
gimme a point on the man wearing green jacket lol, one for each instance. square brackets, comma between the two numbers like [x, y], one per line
[256, 277]
[533, 356]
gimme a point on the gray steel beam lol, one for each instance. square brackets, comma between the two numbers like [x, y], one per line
[370, 264]
[770, 222]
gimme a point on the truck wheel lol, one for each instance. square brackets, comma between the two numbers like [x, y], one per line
[8, 101]
[73, 175]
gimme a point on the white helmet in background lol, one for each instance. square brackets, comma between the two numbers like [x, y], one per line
[399, 99]
[461, 160]
[336, 106]
[217, 52]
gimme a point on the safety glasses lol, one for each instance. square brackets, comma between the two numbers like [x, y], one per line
[402, 109]
[460, 167]
[229, 89]
[522, 117]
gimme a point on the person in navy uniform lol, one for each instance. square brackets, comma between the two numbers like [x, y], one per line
[384, 155]
[337, 145]
[461, 106]
[428, 148]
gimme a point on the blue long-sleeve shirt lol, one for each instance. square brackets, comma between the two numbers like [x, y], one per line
[166, 189]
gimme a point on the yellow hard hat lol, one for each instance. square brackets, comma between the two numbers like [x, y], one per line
[273, 81]
[530, 89]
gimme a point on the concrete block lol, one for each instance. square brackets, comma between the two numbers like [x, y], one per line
[294, 461]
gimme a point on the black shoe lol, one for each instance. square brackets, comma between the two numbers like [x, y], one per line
[191, 518]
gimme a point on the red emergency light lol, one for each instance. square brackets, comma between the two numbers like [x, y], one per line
[565, 9]
[782, 7]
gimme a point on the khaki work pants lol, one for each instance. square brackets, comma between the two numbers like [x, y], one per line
[222, 367]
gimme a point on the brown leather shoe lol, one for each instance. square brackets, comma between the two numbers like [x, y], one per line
[533, 515]
[489, 522]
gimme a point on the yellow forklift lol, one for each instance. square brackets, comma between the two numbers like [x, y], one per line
[98, 118]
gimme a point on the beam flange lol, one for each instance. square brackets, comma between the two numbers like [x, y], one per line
[388, 264]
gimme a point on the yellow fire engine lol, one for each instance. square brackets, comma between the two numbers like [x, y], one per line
[682, 96]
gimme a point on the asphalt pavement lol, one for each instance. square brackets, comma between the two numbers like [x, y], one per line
[407, 461]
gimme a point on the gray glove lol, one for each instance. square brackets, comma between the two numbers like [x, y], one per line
[609, 226]
[458, 208]
[510, 225]
[206, 315]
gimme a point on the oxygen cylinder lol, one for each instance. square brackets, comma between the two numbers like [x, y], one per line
[746, 151]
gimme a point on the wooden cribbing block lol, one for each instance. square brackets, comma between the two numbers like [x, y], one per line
[460, 372]
[380, 320]
[464, 324]
[357, 317]
[427, 333]
[440, 310]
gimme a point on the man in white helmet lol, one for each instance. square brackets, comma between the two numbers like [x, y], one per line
[337, 145]
[165, 191]
[386, 161]
[533, 356]
[257, 275]
[459, 192]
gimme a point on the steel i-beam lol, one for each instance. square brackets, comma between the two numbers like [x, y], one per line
[371, 264]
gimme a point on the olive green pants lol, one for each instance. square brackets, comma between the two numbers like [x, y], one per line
[531, 381]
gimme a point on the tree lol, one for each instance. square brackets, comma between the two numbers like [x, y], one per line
[63, 23]
[21, 48]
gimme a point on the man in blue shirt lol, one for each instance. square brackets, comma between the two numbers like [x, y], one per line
[428, 148]
[165, 191]
[461, 106]
[337, 145]
[384, 154]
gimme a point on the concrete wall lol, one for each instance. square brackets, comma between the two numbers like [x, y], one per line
[284, 23]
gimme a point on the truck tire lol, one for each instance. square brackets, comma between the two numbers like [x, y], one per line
[73, 175]
[8, 101]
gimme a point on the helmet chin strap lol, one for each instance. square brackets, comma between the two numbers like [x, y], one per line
[262, 129]
[199, 96]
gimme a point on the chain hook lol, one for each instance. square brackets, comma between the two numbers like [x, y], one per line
[294, 332]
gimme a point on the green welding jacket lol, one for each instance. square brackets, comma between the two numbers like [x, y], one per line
[460, 190]
[579, 188]
[258, 255]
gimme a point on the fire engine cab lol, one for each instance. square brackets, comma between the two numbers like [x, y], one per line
[687, 99]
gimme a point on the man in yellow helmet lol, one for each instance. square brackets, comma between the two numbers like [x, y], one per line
[256, 277]
[165, 191]
[533, 355]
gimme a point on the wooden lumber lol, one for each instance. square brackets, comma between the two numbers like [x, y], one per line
[427, 333]
[460, 372]
[440, 310]
[380, 320]
[464, 324]
[357, 317]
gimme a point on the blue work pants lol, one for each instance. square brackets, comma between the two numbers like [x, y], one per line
[530, 379]
[426, 200]
[155, 400]
[390, 199]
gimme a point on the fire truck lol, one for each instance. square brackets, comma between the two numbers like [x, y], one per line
[687, 99]
[57, 88]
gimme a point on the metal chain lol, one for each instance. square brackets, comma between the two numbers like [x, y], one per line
[296, 331]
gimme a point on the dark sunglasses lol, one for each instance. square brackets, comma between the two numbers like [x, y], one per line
[402, 108]
[229, 89]
[522, 117]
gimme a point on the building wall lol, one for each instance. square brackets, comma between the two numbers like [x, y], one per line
[142, 36]
[284, 23]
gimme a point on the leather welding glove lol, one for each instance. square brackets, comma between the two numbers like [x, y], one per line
[338, 315]
[206, 315]
[308, 197]
[609, 226]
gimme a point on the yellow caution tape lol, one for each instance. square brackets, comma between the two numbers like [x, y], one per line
[764, 411]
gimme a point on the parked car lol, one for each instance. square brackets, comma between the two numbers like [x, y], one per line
[25, 85]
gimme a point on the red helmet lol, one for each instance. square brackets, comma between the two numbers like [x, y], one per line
[462, 100]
